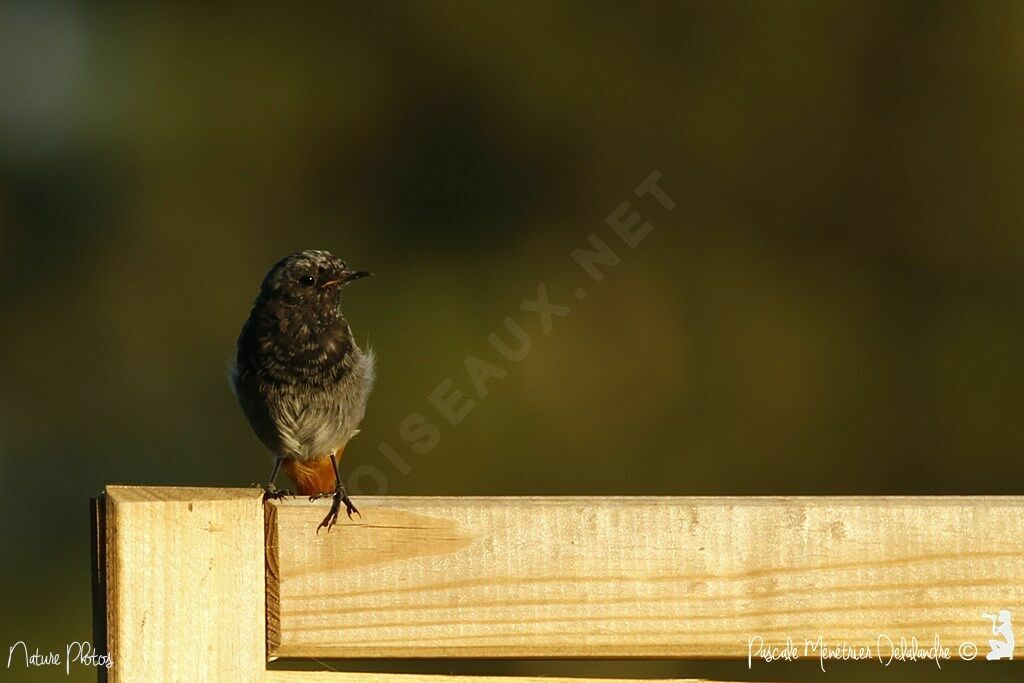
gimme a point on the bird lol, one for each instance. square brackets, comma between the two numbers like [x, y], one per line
[300, 378]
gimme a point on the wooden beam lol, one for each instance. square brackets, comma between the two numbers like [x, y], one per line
[185, 578]
[639, 577]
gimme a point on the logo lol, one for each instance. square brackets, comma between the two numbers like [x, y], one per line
[1001, 649]
[887, 648]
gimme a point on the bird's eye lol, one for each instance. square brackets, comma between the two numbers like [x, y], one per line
[306, 280]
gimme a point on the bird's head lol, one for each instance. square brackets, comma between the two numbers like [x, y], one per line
[309, 278]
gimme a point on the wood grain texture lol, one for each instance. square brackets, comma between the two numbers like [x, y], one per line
[639, 577]
[345, 677]
[185, 584]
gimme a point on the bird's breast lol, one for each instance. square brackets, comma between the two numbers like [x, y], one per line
[303, 353]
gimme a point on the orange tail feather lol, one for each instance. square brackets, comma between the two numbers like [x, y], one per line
[311, 476]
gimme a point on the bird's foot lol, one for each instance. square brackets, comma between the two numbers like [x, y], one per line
[349, 507]
[271, 492]
[331, 519]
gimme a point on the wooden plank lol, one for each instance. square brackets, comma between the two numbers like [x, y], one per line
[185, 584]
[640, 577]
[345, 677]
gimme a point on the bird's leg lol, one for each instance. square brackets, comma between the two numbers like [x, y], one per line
[340, 496]
[270, 491]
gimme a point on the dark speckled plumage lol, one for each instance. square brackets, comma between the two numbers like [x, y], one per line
[300, 377]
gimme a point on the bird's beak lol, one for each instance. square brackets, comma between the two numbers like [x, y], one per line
[355, 275]
[346, 277]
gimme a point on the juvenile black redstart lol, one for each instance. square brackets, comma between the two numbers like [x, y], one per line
[299, 376]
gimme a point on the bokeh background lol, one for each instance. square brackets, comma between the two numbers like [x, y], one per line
[833, 307]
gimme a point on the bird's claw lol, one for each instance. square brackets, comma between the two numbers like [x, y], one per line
[332, 515]
[331, 519]
[271, 492]
[350, 508]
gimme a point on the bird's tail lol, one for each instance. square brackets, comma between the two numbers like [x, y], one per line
[311, 476]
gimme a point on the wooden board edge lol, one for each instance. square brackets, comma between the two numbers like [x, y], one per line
[281, 676]
[273, 592]
[98, 558]
[126, 493]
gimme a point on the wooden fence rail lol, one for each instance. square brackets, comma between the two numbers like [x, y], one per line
[208, 584]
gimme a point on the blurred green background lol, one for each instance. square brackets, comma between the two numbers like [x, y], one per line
[833, 307]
